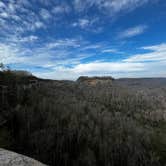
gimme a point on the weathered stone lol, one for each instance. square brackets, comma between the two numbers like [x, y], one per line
[8, 158]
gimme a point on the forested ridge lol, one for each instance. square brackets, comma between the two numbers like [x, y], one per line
[88, 122]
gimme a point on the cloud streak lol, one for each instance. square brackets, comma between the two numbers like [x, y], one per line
[133, 31]
[139, 65]
[111, 6]
[157, 53]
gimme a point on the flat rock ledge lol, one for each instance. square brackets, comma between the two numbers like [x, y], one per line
[8, 158]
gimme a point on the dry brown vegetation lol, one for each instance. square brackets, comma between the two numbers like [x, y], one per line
[66, 123]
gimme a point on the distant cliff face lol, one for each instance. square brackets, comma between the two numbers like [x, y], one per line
[92, 81]
[8, 158]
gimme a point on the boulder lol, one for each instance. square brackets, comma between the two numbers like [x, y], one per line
[8, 158]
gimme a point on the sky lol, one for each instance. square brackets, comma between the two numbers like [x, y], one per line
[65, 39]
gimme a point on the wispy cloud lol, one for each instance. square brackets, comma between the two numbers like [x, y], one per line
[60, 9]
[83, 23]
[110, 51]
[51, 54]
[64, 43]
[106, 8]
[121, 5]
[87, 24]
[2, 5]
[142, 65]
[10, 54]
[109, 6]
[159, 48]
[4, 15]
[92, 46]
[157, 53]
[30, 38]
[45, 3]
[23, 17]
[69, 64]
[133, 31]
[107, 67]
[19, 17]
[90, 69]
[45, 14]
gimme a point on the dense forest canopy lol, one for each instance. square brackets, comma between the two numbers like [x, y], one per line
[73, 123]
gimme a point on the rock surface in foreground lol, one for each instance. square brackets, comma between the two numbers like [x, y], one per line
[8, 158]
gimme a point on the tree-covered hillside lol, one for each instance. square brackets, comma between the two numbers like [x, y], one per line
[67, 123]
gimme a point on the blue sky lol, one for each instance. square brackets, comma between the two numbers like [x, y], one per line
[64, 39]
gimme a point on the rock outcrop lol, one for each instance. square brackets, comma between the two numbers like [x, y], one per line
[8, 158]
[94, 80]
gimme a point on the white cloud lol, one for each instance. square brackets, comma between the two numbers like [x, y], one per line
[60, 9]
[38, 25]
[11, 7]
[45, 14]
[9, 54]
[30, 38]
[2, 22]
[64, 43]
[160, 47]
[144, 65]
[91, 69]
[17, 40]
[131, 32]
[83, 23]
[110, 51]
[152, 64]
[88, 24]
[107, 67]
[15, 54]
[18, 17]
[16, 51]
[15, 17]
[92, 46]
[158, 53]
[120, 5]
[109, 6]
[58, 74]
[45, 2]
[4, 15]
[2, 5]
